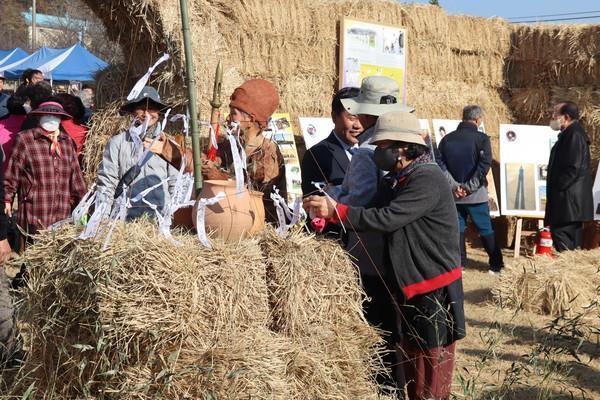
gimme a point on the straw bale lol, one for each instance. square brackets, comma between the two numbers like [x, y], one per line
[316, 300]
[564, 55]
[93, 314]
[268, 318]
[563, 286]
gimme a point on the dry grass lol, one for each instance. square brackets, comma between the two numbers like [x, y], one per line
[564, 286]
[146, 319]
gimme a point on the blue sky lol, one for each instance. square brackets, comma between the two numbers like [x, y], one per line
[522, 8]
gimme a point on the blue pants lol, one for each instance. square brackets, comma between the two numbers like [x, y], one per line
[480, 215]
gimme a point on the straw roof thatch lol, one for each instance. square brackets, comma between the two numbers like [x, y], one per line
[146, 319]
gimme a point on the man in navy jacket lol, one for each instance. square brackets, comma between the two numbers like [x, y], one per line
[466, 155]
[327, 160]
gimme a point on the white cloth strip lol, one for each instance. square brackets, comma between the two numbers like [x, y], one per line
[139, 85]
[200, 226]
[321, 188]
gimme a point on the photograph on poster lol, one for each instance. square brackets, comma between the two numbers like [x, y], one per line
[520, 186]
[283, 135]
[542, 197]
[523, 172]
[596, 194]
[368, 49]
[442, 127]
[315, 129]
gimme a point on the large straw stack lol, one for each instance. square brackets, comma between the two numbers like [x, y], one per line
[549, 64]
[147, 319]
[453, 60]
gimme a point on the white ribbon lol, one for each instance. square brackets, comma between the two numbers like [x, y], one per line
[103, 204]
[164, 122]
[294, 214]
[84, 206]
[321, 188]
[237, 164]
[137, 133]
[200, 228]
[141, 83]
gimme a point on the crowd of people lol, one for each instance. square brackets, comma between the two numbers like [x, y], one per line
[397, 203]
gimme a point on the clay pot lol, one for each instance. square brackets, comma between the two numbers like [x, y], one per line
[234, 217]
[259, 220]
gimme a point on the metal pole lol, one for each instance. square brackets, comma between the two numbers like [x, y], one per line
[191, 87]
[33, 27]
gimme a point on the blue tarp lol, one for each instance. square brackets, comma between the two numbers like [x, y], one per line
[10, 56]
[71, 64]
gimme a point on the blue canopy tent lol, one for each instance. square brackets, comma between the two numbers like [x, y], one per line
[71, 64]
[12, 56]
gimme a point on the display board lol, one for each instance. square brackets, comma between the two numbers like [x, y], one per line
[315, 129]
[442, 127]
[283, 134]
[424, 125]
[369, 48]
[524, 154]
[596, 193]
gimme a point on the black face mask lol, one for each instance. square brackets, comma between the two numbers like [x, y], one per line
[386, 159]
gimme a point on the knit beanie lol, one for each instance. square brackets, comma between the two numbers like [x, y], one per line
[256, 97]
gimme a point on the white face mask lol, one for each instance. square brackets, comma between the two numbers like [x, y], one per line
[50, 123]
[27, 108]
[555, 124]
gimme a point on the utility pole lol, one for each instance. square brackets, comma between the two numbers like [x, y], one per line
[33, 27]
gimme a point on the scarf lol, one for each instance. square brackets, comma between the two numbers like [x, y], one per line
[54, 147]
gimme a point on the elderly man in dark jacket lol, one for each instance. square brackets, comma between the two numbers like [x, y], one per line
[466, 155]
[569, 182]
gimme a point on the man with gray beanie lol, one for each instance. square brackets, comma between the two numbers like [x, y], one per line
[466, 156]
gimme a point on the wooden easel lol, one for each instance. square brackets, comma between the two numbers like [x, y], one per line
[519, 232]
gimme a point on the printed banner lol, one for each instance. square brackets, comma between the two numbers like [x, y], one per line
[283, 135]
[315, 129]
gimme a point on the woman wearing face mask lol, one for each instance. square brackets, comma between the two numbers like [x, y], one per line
[417, 214]
[124, 161]
[43, 171]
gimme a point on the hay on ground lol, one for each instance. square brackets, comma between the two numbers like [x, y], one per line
[564, 286]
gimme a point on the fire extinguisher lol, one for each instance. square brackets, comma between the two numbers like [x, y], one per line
[544, 242]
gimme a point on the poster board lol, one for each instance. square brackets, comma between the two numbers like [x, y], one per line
[596, 194]
[424, 125]
[524, 154]
[283, 134]
[442, 127]
[370, 48]
[315, 129]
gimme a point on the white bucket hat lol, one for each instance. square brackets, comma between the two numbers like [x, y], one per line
[399, 126]
[378, 95]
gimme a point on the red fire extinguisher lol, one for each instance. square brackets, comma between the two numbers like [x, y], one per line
[544, 242]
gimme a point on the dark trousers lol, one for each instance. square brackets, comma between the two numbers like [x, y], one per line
[380, 312]
[567, 236]
[480, 215]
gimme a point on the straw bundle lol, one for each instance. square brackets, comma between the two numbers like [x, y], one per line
[324, 316]
[147, 319]
[564, 286]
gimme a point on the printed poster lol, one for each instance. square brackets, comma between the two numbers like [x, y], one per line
[372, 49]
[424, 125]
[315, 129]
[524, 154]
[442, 127]
[596, 193]
[283, 135]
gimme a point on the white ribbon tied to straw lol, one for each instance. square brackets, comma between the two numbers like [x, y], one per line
[102, 210]
[139, 85]
[238, 165]
[283, 210]
[184, 185]
[137, 132]
[84, 206]
[200, 228]
[321, 188]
